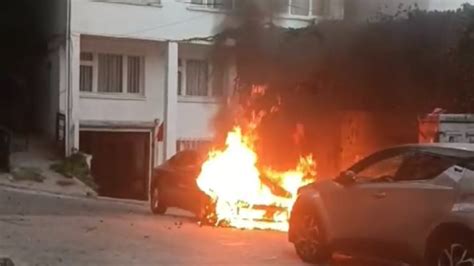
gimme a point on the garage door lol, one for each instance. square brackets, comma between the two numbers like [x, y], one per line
[120, 162]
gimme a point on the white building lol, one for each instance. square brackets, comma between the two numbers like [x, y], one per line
[448, 4]
[118, 69]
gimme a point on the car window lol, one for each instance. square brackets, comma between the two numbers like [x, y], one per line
[381, 170]
[423, 166]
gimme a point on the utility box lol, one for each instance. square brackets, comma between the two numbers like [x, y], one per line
[446, 128]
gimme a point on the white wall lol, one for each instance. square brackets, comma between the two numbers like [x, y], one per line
[147, 108]
[173, 20]
[448, 4]
[195, 120]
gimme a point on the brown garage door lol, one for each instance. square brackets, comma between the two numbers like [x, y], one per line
[120, 162]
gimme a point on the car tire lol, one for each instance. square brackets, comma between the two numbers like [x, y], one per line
[451, 248]
[157, 205]
[309, 240]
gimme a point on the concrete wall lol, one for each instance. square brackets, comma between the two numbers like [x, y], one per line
[195, 120]
[128, 108]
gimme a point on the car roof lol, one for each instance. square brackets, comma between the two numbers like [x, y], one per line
[462, 150]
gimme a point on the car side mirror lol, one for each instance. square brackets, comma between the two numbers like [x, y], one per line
[346, 178]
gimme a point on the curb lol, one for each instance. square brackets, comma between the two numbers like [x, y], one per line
[45, 192]
[72, 196]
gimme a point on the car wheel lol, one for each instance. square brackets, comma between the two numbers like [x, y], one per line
[309, 240]
[156, 203]
[452, 250]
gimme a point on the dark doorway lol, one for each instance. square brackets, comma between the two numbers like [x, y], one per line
[120, 162]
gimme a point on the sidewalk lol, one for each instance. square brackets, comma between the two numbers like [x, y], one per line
[31, 170]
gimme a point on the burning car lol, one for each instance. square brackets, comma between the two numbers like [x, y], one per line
[412, 203]
[228, 188]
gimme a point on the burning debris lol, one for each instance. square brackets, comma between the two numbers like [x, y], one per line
[245, 195]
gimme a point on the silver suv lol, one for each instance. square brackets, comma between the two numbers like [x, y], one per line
[412, 203]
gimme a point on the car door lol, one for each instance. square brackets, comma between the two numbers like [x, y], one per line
[353, 208]
[187, 169]
[409, 205]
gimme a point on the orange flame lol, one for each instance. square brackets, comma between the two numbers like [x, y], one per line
[246, 197]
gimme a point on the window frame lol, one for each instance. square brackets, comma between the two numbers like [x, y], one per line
[403, 156]
[453, 161]
[88, 63]
[311, 14]
[394, 152]
[124, 90]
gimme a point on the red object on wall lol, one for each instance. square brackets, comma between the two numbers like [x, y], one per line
[160, 135]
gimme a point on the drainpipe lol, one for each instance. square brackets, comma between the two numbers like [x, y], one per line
[67, 132]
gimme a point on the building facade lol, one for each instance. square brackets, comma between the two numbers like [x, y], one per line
[129, 86]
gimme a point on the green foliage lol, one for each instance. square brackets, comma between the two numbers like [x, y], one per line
[76, 166]
[28, 174]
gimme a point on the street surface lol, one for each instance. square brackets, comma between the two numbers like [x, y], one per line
[42, 229]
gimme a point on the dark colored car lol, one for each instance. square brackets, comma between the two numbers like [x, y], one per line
[413, 203]
[174, 184]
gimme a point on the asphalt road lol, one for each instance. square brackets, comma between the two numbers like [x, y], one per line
[41, 229]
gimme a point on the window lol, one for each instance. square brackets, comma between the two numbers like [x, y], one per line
[320, 7]
[381, 169]
[134, 69]
[217, 4]
[192, 144]
[197, 78]
[300, 7]
[303, 7]
[194, 78]
[111, 73]
[134, 2]
[422, 166]
[406, 167]
[86, 72]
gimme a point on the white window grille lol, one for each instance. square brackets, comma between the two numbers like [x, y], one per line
[111, 73]
[217, 4]
[134, 2]
[192, 144]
